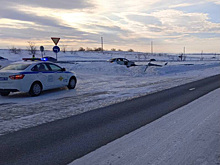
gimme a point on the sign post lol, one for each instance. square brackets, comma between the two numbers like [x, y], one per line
[56, 48]
[42, 50]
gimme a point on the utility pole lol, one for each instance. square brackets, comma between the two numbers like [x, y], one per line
[184, 52]
[152, 51]
[102, 44]
[202, 55]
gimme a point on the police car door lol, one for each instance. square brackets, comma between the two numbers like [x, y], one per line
[45, 76]
[60, 77]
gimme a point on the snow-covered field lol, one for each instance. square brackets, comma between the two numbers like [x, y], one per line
[99, 84]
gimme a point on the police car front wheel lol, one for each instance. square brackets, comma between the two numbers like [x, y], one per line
[35, 89]
[72, 83]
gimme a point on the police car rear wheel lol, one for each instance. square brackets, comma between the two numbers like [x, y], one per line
[5, 93]
[36, 89]
[72, 83]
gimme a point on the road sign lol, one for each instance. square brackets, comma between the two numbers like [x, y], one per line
[56, 49]
[55, 40]
[41, 48]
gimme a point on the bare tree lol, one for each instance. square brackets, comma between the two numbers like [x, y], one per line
[32, 48]
[63, 49]
[14, 50]
[130, 50]
[98, 49]
[89, 49]
[81, 49]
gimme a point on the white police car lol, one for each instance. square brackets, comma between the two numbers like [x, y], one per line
[33, 77]
[3, 62]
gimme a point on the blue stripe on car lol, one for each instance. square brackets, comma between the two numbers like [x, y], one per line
[43, 72]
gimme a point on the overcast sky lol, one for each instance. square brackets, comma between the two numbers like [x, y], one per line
[124, 24]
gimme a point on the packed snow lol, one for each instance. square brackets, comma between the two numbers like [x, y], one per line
[100, 83]
[188, 135]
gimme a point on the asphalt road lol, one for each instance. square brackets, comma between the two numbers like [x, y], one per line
[63, 141]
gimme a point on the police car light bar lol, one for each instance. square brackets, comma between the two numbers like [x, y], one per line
[44, 59]
[31, 59]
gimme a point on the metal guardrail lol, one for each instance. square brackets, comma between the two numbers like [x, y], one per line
[76, 61]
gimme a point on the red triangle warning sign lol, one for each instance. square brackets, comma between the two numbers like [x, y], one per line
[55, 40]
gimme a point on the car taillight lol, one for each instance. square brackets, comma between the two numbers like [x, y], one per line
[17, 77]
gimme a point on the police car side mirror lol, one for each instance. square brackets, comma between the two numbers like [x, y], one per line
[63, 69]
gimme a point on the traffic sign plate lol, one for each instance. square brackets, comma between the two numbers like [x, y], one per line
[41, 48]
[55, 40]
[56, 49]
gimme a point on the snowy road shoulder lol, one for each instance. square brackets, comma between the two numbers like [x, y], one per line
[189, 135]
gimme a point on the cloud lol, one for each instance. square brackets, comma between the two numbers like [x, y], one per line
[206, 35]
[181, 5]
[26, 26]
[144, 19]
[115, 6]
[30, 33]
[19, 15]
[58, 4]
[214, 1]
[209, 8]
[181, 22]
[122, 23]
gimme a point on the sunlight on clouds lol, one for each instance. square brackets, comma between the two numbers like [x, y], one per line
[71, 18]
[214, 1]
[17, 24]
[75, 19]
[180, 22]
[9, 42]
[106, 6]
[127, 21]
[86, 21]
[172, 20]
[39, 11]
[181, 5]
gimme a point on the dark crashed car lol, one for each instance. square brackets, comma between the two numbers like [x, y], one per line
[122, 61]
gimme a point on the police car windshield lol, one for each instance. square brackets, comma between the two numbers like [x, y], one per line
[16, 67]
